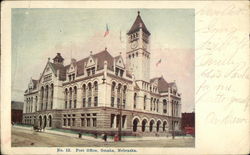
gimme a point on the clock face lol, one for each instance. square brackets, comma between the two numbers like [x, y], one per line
[134, 44]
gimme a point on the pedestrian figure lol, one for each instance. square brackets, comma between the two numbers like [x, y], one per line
[105, 137]
[79, 135]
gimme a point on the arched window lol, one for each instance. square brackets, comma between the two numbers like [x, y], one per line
[89, 89]
[84, 90]
[113, 94]
[119, 95]
[51, 97]
[75, 96]
[36, 103]
[144, 123]
[66, 98]
[135, 124]
[164, 126]
[151, 125]
[47, 97]
[158, 126]
[83, 95]
[157, 105]
[164, 106]
[154, 103]
[151, 104]
[145, 99]
[135, 95]
[124, 96]
[96, 86]
[113, 87]
[70, 97]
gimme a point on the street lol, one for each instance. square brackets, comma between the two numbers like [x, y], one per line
[24, 138]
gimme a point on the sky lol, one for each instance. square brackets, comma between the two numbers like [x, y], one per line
[38, 34]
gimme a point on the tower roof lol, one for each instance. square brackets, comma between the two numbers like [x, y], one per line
[58, 58]
[136, 26]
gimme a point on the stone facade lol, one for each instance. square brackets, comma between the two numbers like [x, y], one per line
[91, 94]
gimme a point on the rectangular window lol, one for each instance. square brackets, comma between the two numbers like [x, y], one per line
[112, 101]
[69, 122]
[118, 102]
[64, 122]
[88, 72]
[124, 103]
[88, 122]
[70, 102]
[96, 101]
[121, 73]
[116, 71]
[94, 122]
[89, 102]
[93, 70]
[82, 122]
[83, 102]
[74, 103]
[73, 122]
[69, 77]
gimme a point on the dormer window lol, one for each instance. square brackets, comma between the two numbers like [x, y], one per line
[119, 72]
[72, 77]
[91, 71]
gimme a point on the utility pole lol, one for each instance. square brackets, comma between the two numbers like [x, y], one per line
[120, 118]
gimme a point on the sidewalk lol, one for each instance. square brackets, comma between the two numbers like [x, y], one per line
[73, 134]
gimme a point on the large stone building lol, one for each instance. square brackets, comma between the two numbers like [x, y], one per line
[92, 93]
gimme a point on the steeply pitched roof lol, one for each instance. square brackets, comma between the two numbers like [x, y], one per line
[135, 27]
[100, 57]
[62, 70]
[163, 85]
[35, 83]
[104, 56]
[58, 57]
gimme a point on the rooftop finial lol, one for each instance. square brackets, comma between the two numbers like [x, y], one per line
[48, 58]
[105, 48]
[138, 13]
[90, 52]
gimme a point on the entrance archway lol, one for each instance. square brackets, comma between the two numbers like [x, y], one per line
[40, 121]
[158, 126]
[151, 125]
[44, 121]
[135, 124]
[50, 121]
[143, 127]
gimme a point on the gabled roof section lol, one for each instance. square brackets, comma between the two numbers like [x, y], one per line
[104, 56]
[35, 82]
[101, 57]
[119, 61]
[163, 85]
[61, 68]
[138, 22]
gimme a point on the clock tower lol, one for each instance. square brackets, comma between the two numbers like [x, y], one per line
[138, 55]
